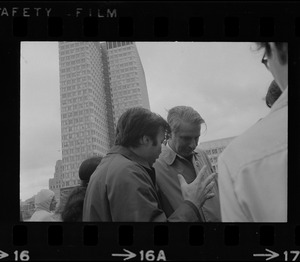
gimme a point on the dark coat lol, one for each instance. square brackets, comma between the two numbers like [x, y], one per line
[123, 188]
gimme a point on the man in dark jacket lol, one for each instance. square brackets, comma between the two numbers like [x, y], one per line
[123, 187]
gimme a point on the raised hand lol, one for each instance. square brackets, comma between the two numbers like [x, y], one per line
[200, 189]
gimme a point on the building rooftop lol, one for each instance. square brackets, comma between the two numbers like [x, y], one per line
[219, 139]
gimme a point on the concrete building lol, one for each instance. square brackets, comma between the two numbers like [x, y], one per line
[86, 122]
[56, 183]
[127, 77]
[98, 82]
[27, 208]
[214, 148]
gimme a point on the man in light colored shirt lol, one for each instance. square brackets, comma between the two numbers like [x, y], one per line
[180, 156]
[253, 168]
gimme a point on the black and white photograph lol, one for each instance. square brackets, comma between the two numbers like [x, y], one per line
[153, 131]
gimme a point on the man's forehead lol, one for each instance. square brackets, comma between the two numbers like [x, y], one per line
[189, 127]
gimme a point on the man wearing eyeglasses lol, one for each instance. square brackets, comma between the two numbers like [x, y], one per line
[253, 168]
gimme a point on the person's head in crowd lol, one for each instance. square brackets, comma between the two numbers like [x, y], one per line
[45, 200]
[72, 211]
[185, 124]
[87, 168]
[45, 203]
[273, 94]
[275, 59]
[143, 131]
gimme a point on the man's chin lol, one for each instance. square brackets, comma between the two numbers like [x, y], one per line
[187, 154]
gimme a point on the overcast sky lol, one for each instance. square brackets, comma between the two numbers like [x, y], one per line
[225, 82]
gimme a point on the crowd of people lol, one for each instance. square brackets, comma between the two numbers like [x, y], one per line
[155, 172]
[71, 209]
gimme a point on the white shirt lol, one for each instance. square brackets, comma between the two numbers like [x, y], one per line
[253, 170]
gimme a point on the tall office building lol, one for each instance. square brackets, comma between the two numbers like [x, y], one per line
[98, 81]
[56, 183]
[84, 99]
[127, 77]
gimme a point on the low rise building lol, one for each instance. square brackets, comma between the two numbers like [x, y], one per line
[214, 148]
[56, 183]
[27, 208]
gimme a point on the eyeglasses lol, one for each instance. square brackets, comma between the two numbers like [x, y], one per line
[264, 60]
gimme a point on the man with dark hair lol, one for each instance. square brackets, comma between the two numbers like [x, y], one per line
[253, 168]
[123, 187]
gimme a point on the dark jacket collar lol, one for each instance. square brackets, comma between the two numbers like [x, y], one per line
[126, 152]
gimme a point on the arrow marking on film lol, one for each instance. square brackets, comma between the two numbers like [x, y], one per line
[129, 255]
[3, 254]
[269, 256]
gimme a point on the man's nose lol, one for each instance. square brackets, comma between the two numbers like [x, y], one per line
[160, 150]
[193, 143]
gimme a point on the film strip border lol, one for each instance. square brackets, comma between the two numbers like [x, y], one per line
[150, 20]
[91, 27]
[175, 241]
[125, 27]
[154, 22]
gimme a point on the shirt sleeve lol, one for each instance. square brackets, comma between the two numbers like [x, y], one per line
[230, 207]
[257, 192]
[186, 212]
[133, 197]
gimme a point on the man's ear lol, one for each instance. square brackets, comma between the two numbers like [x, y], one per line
[145, 140]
